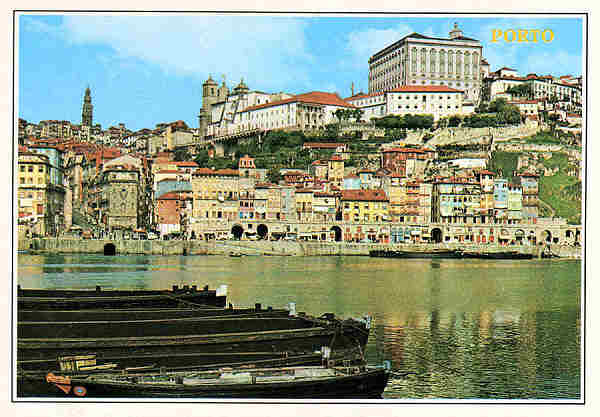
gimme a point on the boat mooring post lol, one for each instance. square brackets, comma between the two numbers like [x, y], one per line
[292, 309]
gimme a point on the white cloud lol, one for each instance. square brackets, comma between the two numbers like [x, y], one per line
[269, 52]
[361, 45]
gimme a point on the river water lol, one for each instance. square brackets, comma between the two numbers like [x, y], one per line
[452, 329]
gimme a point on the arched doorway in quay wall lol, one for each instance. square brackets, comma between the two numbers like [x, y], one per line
[110, 249]
[546, 236]
[436, 235]
[237, 231]
[338, 233]
[262, 230]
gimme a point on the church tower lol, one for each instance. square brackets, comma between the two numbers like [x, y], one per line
[210, 95]
[87, 110]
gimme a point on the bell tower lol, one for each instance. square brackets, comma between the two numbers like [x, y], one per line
[210, 95]
[87, 109]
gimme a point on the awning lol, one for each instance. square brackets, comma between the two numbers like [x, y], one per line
[426, 235]
[415, 232]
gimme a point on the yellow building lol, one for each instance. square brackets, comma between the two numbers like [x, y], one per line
[211, 190]
[335, 170]
[304, 204]
[365, 206]
[35, 205]
[215, 201]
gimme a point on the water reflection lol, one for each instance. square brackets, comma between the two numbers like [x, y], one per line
[452, 328]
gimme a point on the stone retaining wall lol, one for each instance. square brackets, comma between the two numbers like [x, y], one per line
[278, 248]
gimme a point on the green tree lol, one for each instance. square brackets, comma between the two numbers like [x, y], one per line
[202, 158]
[497, 105]
[273, 175]
[182, 155]
[454, 120]
[523, 90]
[357, 114]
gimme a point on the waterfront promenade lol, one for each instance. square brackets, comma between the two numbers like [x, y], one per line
[274, 248]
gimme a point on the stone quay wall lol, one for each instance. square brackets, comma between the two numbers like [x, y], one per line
[274, 248]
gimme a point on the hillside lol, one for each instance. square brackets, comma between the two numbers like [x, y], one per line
[562, 191]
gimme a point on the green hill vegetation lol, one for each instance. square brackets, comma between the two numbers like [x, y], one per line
[504, 163]
[562, 191]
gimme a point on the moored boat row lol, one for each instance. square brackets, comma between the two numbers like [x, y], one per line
[181, 337]
[451, 254]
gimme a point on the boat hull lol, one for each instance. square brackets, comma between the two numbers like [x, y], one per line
[367, 384]
[34, 299]
[88, 315]
[442, 254]
[33, 383]
[191, 349]
[497, 255]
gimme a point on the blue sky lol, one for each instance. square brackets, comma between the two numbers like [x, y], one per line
[148, 69]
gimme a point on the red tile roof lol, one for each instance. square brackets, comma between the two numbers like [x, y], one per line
[325, 145]
[403, 150]
[364, 195]
[486, 172]
[186, 164]
[208, 171]
[523, 101]
[363, 95]
[169, 171]
[314, 97]
[175, 195]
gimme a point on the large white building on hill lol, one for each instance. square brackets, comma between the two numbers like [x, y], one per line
[416, 59]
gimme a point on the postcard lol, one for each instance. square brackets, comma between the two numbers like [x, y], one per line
[288, 208]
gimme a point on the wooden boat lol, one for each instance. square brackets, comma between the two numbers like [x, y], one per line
[425, 254]
[33, 383]
[191, 341]
[145, 314]
[65, 299]
[280, 382]
[497, 255]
